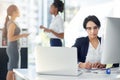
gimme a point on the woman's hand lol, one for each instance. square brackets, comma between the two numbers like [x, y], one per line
[86, 65]
[47, 30]
[98, 65]
[42, 27]
[25, 35]
[102, 66]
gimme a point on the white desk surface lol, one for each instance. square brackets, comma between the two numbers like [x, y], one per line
[30, 74]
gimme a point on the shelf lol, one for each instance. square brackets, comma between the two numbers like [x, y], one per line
[20, 47]
[3, 46]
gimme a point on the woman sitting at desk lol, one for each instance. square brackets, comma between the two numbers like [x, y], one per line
[89, 48]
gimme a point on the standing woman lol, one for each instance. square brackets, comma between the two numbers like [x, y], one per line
[12, 32]
[56, 28]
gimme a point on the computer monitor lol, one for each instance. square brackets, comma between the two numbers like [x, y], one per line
[111, 47]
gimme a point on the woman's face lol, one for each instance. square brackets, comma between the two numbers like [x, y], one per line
[53, 9]
[16, 13]
[92, 29]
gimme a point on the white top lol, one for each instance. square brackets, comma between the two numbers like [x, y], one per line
[94, 55]
[57, 24]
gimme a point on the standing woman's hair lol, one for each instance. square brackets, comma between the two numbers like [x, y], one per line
[10, 11]
[59, 5]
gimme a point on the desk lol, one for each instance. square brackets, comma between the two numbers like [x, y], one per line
[30, 74]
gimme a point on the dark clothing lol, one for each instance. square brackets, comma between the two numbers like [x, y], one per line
[12, 49]
[3, 65]
[55, 42]
[82, 45]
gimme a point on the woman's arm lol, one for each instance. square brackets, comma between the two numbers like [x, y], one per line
[60, 35]
[10, 34]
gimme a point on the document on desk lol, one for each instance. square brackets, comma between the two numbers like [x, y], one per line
[99, 74]
[94, 70]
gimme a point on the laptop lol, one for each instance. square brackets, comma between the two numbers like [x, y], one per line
[56, 61]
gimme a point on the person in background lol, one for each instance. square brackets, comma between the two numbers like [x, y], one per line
[89, 48]
[12, 32]
[56, 28]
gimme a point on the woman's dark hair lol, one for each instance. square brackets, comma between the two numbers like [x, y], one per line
[92, 18]
[59, 4]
